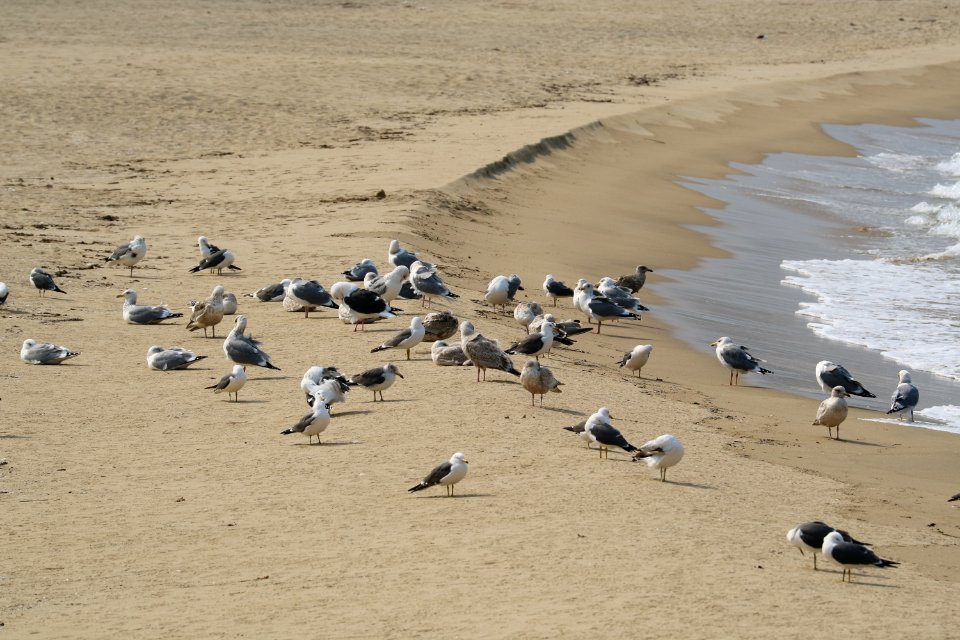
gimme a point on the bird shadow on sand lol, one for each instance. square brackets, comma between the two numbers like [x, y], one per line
[13, 436]
[499, 381]
[457, 495]
[268, 378]
[867, 577]
[327, 444]
[247, 401]
[569, 412]
[355, 412]
[860, 442]
[691, 485]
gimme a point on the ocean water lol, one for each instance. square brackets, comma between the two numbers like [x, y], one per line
[849, 259]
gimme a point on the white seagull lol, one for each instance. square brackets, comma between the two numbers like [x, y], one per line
[447, 474]
[128, 254]
[406, 339]
[398, 256]
[313, 423]
[231, 383]
[387, 286]
[661, 453]
[4, 292]
[160, 359]
[829, 375]
[244, 350]
[636, 358]
[736, 358]
[905, 396]
[33, 352]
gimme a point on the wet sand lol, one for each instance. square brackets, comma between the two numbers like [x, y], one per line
[139, 505]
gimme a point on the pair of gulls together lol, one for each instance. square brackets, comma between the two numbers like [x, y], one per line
[607, 302]
[632, 283]
[325, 386]
[240, 349]
[660, 453]
[835, 545]
[213, 258]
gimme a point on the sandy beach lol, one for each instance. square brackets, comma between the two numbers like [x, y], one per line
[507, 138]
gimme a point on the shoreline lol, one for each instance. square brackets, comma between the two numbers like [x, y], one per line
[142, 504]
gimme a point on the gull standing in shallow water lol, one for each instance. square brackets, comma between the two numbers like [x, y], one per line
[244, 350]
[160, 359]
[833, 411]
[447, 474]
[135, 313]
[810, 535]
[43, 281]
[905, 396]
[231, 383]
[636, 358]
[129, 254]
[829, 375]
[377, 379]
[661, 453]
[208, 313]
[601, 431]
[850, 554]
[33, 352]
[736, 358]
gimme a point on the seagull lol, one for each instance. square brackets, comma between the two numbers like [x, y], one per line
[830, 375]
[564, 327]
[229, 304]
[312, 424]
[661, 453]
[447, 474]
[387, 286]
[129, 254]
[600, 308]
[309, 294]
[810, 535]
[635, 281]
[377, 379]
[525, 313]
[231, 383]
[361, 306]
[328, 382]
[636, 358]
[357, 272]
[620, 296]
[43, 281]
[160, 359]
[515, 285]
[398, 256]
[33, 352]
[485, 354]
[833, 411]
[208, 313]
[556, 289]
[244, 350]
[220, 260]
[439, 326]
[599, 429]
[4, 292]
[406, 339]
[498, 292]
[850, 554]
[538, 381]
[272, 292]
[905, 397]
[135, 313]
[427, 282]
[581, 430]
[444, 355]
[736, 358]
[534, 344]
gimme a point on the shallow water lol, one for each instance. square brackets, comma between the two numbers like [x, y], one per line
[849, 259]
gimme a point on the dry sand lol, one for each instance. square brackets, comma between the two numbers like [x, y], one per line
[136, 504]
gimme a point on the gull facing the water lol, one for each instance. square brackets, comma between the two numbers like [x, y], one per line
[135, 313]
[447, 474]
[33, 352]
[634, 281]
[128, 254]
[737, 359]
[905, 396]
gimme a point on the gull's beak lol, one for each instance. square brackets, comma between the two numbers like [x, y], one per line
[399, 374]
[119, 295]
[713, 344]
